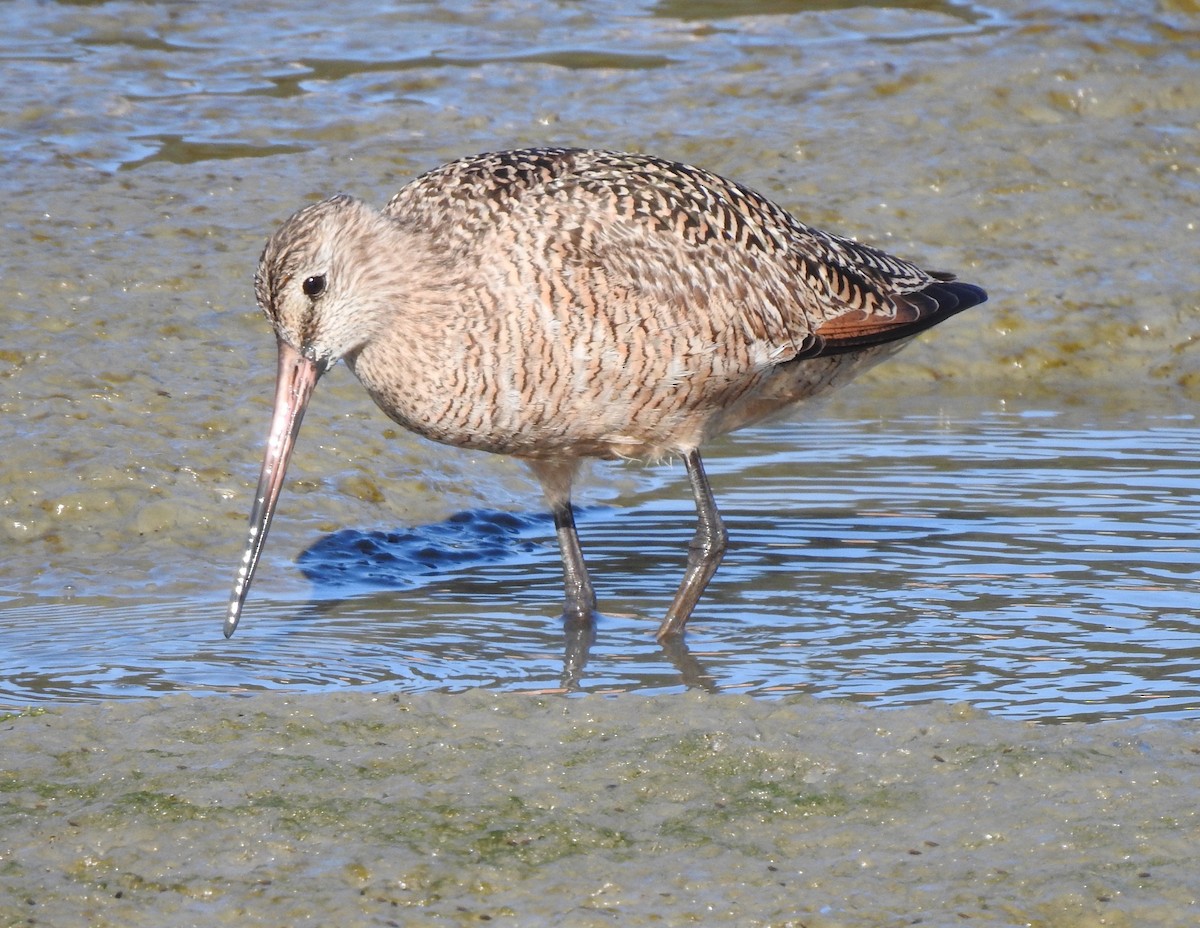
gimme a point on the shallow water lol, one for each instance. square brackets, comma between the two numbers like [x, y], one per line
[1002, 514]
[1040, 565]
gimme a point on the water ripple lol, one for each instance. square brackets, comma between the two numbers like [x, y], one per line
[1040, 572]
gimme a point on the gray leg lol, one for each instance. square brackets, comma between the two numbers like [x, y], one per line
[556, 475]
[581, 598]
[704, 553]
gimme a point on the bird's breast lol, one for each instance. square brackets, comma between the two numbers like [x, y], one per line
[570, 371]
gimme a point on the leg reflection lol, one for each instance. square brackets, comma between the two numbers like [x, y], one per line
[693, 673]
[579, 628]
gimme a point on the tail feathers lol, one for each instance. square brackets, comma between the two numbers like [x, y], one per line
[915, 312]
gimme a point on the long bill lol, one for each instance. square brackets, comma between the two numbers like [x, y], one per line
[294, 385]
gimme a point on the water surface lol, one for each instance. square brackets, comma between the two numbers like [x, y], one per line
[1037, 564]
[1003, 514]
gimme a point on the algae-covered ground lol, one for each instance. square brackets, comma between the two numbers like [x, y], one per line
[516, 810]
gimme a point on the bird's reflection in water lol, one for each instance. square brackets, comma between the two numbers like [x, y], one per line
[386, 579]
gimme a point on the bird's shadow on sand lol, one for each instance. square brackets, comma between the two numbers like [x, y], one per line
[352, 561]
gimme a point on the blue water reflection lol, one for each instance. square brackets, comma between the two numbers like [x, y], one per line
[1031, 566]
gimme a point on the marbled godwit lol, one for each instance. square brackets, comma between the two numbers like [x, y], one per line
[561, 304]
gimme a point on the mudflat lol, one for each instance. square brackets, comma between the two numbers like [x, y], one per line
[508, 809]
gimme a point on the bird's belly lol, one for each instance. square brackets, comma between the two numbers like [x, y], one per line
[543, 429]
[612, 416]
[795, 381]
[546, 411]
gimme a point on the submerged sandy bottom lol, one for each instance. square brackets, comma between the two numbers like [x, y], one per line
[509, 809]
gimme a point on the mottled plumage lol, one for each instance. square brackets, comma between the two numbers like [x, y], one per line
[556, 304]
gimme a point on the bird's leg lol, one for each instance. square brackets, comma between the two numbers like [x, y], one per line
[579, 609]
[556, 476]
[704, 553]
[581, 598]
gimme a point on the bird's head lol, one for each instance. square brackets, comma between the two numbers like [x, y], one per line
[316, 278]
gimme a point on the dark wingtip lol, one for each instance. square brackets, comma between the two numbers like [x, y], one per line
[916, 311]
[953, 296]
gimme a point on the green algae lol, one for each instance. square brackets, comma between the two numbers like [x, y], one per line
[691, 808]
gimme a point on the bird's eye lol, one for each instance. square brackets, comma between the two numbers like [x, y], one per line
[313, 287]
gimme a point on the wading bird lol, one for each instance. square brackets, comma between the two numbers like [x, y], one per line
[560, 304]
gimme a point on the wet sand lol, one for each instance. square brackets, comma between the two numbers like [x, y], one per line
[521, 810]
